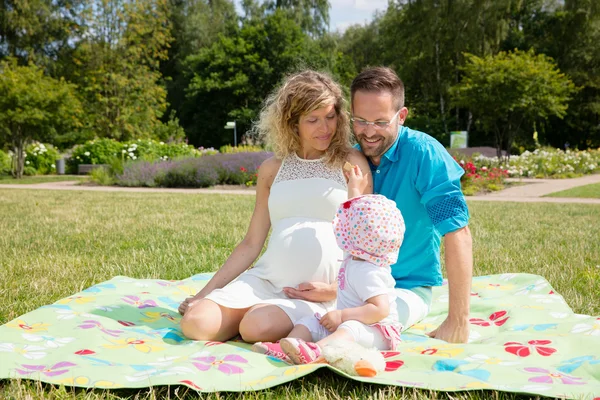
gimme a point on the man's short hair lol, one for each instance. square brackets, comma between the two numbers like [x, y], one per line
[379, 79]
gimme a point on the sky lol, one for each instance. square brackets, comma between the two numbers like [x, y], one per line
[344, 13]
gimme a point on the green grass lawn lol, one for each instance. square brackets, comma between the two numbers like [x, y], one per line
[54, 244]
[28, 180]
[588, 191]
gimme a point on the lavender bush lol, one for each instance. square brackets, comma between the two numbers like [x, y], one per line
[236, 169]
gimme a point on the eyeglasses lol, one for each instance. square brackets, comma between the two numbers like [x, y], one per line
[363, 123]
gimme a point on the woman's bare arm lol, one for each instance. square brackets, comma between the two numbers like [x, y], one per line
[247, 251]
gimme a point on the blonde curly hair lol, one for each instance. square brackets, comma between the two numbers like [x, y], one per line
[300, 94]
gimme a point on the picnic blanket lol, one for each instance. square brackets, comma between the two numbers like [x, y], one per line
[125, 333]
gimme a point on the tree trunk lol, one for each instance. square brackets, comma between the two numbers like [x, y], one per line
[18, 162]
[469, 122]
[439, 82]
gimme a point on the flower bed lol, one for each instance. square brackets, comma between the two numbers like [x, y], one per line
[232, 169]
[544, 163]
[109, 151]
[481, 179]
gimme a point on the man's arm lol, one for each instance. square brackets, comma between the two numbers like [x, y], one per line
[458, 247]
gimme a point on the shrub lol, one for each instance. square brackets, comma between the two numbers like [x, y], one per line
[239, 169]
[100, 151]
[42, 157]
[190, 173]
[227, 149]
[105, 151]
[140, 173]
[5, 163]
[481, 179]
[102, 176]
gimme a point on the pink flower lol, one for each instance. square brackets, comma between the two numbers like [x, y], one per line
[90, 324]
[56, 369]
[551, 377]
[206, 363]
[139, 303]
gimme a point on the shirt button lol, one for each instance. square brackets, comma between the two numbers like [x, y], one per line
[377, 171]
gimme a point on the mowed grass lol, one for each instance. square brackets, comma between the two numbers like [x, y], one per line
[29, 180]
[588, 191]
[54, 244]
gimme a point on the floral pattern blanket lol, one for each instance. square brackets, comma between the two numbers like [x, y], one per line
[125, 333]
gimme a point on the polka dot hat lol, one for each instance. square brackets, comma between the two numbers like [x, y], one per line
[370, 227]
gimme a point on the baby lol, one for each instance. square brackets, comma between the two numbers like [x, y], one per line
[370, 230]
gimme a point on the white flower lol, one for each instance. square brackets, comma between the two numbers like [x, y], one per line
[87, 153]
[28, 351]
[51, 342]
[26, 162]
[587, 329]
[162, 142]
[124, 151]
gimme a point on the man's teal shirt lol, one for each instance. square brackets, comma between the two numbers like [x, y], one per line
[424, 180]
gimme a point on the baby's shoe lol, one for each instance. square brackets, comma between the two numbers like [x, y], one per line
[271, 349]
[299, 351]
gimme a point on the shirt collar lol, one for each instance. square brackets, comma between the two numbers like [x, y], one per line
[392, 153]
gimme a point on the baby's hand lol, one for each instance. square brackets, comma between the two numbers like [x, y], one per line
[357, 182]
[332, 320]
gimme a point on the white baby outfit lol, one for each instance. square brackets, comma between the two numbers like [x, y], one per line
[303, 200]
[368, 227]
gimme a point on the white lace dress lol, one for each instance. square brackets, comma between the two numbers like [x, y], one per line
[302, 248]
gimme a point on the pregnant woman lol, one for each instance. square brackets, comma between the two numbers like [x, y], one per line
[298, 191]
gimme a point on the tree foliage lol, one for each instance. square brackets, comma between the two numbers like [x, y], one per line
[34, 106]
[231, 78]
[507, 90]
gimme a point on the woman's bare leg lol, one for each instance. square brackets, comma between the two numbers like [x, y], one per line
[265, 323]
[206, 320]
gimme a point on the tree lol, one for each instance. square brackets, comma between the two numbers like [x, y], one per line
[509, 89]
[196, 25]
[311, 15]
[231, 79]
[118, 67]
[37, 30]
[34, 106]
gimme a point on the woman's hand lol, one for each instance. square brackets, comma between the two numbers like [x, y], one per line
[188, 303]
[317, 292]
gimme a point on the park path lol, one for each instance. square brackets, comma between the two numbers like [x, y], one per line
[531, 191]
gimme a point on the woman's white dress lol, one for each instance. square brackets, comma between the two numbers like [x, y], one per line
[302, 248]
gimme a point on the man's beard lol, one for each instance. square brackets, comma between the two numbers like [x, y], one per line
[377, 151]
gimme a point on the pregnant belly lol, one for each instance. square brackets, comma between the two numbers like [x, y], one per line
[300, 251]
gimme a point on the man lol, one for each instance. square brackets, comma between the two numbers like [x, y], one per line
[415, 171]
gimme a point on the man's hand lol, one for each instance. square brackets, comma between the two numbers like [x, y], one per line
[452, 331]
[188, 303]
[332, 320]
[317, 292]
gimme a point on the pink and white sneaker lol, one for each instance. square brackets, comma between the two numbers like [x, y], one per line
[299, 351]
[271, 349]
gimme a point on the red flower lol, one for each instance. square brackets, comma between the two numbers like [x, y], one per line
[192, 384]
[85, 352]
[126, 323]
[392, 365]
[523, 350]
[243, 169]
[495, 318]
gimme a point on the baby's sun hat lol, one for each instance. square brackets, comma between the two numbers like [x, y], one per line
[370, 227]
